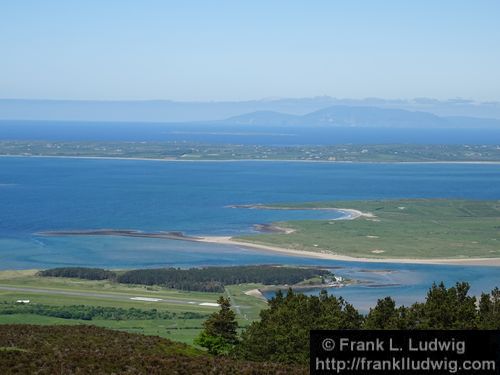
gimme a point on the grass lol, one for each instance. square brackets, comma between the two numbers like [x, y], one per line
[401, 229]
[183, 330]
[250, 306]
[28, 279]
[51, 299]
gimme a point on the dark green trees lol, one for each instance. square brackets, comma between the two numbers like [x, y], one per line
[282, 334]
[209, 279]
[446, 308]
[385, 315]
[79, 272]
[489, 310]
[219, 331]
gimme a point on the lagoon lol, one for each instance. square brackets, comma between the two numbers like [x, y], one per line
[39, 194]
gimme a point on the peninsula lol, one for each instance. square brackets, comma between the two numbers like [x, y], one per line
[436, 231]
[195, 151]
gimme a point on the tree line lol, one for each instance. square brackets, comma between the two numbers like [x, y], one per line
[85, 312]
[209, 279]
[79, 273]
[282, 333]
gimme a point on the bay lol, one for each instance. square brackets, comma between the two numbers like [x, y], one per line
[38, 194]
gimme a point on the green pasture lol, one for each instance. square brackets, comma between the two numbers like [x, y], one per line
[177, 328]
[398, 229]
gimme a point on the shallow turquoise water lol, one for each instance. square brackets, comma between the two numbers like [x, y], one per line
[39, 194]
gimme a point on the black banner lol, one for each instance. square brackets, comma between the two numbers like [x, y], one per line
[405, 352]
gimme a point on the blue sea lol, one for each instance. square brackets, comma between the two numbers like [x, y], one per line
[39, 194]
[239, 134]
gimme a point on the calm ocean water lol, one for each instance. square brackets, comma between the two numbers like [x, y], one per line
[238, 134]
[39, 194]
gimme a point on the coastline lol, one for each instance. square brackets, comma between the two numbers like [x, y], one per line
[250, 160]
[226, 240]
[348, 214]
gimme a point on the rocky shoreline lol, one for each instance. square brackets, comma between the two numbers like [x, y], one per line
[120, 232]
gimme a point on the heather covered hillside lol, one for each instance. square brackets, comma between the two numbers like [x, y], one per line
[27, 349]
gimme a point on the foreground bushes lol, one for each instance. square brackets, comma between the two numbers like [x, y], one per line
[44, 350]
[282, 334]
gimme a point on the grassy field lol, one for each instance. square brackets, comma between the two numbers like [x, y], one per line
[178, 329]
[399, 229]
[27, 278]
[250, 306]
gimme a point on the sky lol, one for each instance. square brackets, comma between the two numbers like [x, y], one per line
[238, 50]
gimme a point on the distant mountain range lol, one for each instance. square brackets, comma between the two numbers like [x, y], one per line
[323, 109]
[349, 116]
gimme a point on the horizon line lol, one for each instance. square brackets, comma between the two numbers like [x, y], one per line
[459, 100]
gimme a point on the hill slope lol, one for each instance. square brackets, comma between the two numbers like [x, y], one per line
[361, 116]
[27, 349]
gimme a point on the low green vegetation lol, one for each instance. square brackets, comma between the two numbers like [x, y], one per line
[249, 306]
[410, 228]
[47, 350]
[242, 327]
[275, 332]
[108, 298]
[204, 151]
[25, 285]
[95, 289]
[85, 312]
[179, 330]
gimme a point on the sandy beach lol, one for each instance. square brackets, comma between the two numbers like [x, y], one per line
[348, 214]
[318, 255]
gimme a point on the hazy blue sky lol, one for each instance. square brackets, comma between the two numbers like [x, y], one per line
[233, 50]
